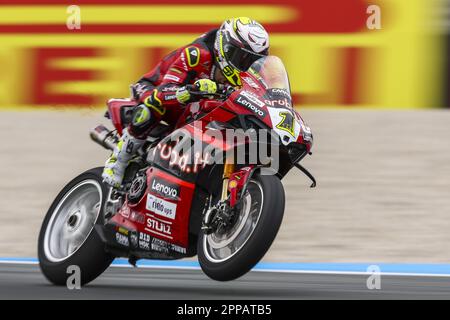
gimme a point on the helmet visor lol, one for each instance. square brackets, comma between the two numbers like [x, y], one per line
[240, 58]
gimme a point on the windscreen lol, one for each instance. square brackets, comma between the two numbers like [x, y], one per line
[272, 72]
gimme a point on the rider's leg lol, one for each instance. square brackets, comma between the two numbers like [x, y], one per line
[132, 139]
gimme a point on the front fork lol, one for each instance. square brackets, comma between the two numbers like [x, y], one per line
[228, 169]
[232, 183]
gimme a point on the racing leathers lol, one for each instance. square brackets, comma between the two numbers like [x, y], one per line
[161, 95]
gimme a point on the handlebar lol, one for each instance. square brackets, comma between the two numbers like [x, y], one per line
[223, 91]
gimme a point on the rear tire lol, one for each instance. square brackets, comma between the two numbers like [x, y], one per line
[67, 236]
[223, 268]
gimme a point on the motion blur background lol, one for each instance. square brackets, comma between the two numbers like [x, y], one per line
[377, 102]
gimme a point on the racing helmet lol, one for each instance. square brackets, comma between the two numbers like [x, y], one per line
[239, 42]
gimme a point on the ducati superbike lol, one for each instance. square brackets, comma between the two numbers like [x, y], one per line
[190, 190]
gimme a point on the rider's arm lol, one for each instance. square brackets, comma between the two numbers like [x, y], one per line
[187, 66]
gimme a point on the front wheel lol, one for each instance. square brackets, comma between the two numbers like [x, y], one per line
[225, 256]
[67, 237]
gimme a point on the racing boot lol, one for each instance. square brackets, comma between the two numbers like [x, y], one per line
[115, 166]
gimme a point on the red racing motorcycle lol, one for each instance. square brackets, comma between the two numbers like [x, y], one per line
[191, 189]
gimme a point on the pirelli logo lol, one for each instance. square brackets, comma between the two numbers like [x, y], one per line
[343, 63]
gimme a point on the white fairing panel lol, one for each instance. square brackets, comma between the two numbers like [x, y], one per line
[285, 124]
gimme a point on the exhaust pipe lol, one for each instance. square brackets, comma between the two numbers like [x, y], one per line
[104, 137]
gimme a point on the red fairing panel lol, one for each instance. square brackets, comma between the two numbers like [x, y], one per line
[249, 99]
[164, 210]
[114, 108]
[236, 182]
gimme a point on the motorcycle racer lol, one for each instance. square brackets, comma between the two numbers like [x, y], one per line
[216, 57]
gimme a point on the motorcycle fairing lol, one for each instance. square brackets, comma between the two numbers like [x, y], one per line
[167, 220]
[160, 219]
[274, 107]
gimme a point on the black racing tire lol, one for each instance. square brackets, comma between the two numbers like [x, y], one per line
[258, 243]
[90, 257]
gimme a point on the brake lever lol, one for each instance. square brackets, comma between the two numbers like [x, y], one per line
[228, 90]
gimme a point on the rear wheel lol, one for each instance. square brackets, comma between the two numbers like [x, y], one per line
[67, 236]
[228, 255]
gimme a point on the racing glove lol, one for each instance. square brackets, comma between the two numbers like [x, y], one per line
[206, 86]
[202, 85]
[183, 95]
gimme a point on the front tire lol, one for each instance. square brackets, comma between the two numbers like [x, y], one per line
[67, 236]
[227, 257]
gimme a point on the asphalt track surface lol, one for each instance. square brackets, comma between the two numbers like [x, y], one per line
[382, 197]
[19, 281]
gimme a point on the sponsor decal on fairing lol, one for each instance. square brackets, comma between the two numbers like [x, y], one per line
[164, 246]
[252, 103]
[165, 189]
[137, 217]
[279, 103]
[134, 239]
[183, 162]
[144, 241]
[251, 82]
[254, 99]
[279, 92]
[125, 212]
[159, 245]
[122, 239]
[159, 227]
[161, 207]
